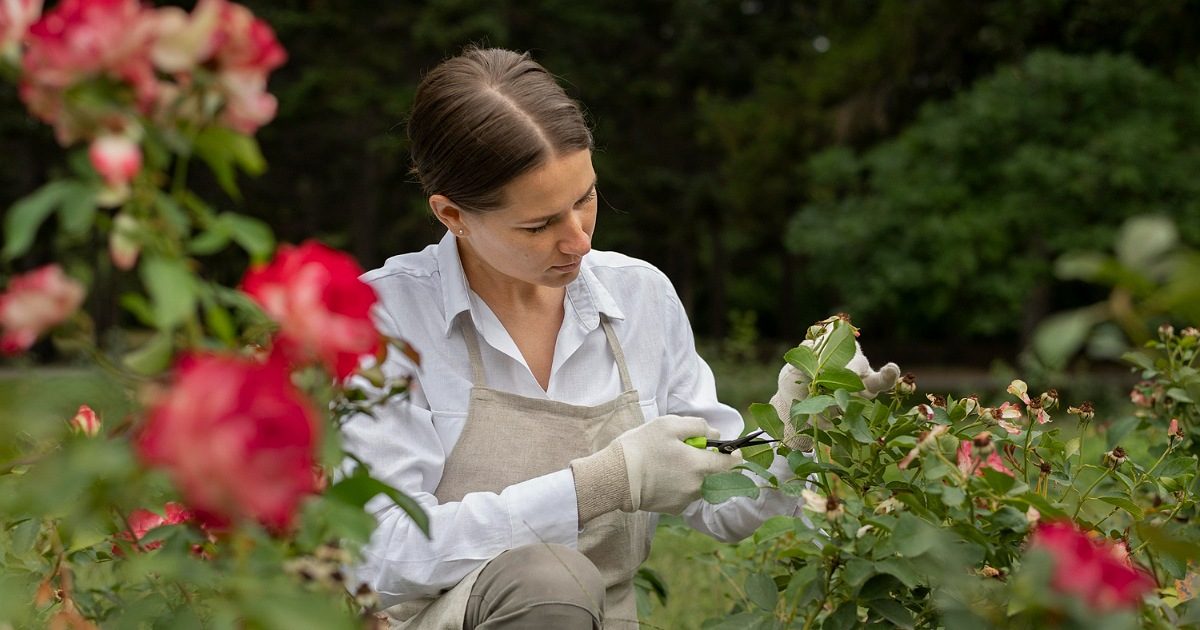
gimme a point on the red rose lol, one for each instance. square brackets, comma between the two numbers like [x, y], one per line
[34, 303]
[85, 39]
[1094, 571]
[237, 438]
[323, 309]
[142, 521]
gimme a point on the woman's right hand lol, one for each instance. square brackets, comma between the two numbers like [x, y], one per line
[648, 468]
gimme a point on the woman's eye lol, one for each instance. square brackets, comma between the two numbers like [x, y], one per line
[535, 230]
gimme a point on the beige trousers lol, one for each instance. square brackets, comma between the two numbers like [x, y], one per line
[537, 586]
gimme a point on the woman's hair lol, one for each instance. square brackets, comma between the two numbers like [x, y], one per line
[485, 117]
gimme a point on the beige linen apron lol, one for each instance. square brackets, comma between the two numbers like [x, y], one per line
[508, 439]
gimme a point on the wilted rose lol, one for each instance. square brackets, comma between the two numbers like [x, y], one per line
[1093, 571]
[237, 438]
[34, 303]
[971, 463]
[85, 422]
[15, 18]
[323, 309]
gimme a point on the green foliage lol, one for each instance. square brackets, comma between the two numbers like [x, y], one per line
[921, 517]
[961, 216]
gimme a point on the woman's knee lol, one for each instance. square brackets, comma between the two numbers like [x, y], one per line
[533, 576]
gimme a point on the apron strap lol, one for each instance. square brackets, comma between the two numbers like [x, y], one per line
[479, 380]
[618, 353]
[477, 376]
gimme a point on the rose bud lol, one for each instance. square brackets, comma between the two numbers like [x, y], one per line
[1049, 399]
[1190, 331]
[85, 422]
[1115, 457]
[1166, 331]
[970, 403]
[907, 384]
[936, 400]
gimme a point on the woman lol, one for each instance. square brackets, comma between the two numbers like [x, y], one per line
[544, 433]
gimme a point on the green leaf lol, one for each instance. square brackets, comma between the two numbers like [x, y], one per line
[901, 568]
[220, 323]
[761, 590]
[78, 209]
[137, 305]
[842, 397]
[151, 358]
[1125, 504]
[1180, 395]
[803, 358]
[210, 241]
[837, 349]
[251, 234]
[857, 571]
[1071, 448]
[767, 419]
[844, 618]
[359, 488]
[225, 151]
[912, 536]
[1145, 239]
[759, 470]
[840, 378]
[721, 487]
[859, 431]
[26, 216]
[809, 406]
[953, 496]
[998, 481]
[893, 611]
[171, 288]
[1060, 336]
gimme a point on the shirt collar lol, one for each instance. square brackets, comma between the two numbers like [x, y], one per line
[587, 296]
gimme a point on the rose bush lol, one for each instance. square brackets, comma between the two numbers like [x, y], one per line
[230, 397]
[950, 513]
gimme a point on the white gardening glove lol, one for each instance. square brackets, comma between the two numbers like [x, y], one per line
[793, 386]
[648, 468]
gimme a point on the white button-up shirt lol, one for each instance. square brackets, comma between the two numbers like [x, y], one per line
[423, 298]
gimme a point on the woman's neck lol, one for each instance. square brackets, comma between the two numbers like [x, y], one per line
[506, 295]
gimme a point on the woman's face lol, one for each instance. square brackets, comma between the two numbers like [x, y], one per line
[543, 230]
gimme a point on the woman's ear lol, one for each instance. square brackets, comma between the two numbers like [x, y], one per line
[449, 214]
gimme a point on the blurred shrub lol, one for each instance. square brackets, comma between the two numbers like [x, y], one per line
[953, 227]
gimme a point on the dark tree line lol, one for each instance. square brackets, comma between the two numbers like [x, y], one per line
[707, 115]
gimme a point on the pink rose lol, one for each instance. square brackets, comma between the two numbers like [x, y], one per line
[34, 303]
[15, 18]
[237, 438]
[80, 40]
[117, 158]
[85, 422]
[323, 309]
[1094, 571]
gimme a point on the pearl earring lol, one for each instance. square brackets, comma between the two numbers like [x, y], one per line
[461, 232]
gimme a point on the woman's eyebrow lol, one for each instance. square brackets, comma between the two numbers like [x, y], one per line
[581, 199]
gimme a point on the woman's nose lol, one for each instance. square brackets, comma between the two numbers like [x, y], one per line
[577, 241]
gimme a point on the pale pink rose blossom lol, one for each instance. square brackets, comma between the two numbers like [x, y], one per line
[15, 18]
[85, 422]
[928, 440]
[183, 40]
[248, 105]
[34, 303]
[117, 158]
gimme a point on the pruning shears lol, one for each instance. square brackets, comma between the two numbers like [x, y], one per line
[728, 446]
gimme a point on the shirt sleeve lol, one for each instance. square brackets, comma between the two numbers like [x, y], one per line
[691, 391]
[401, 448]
